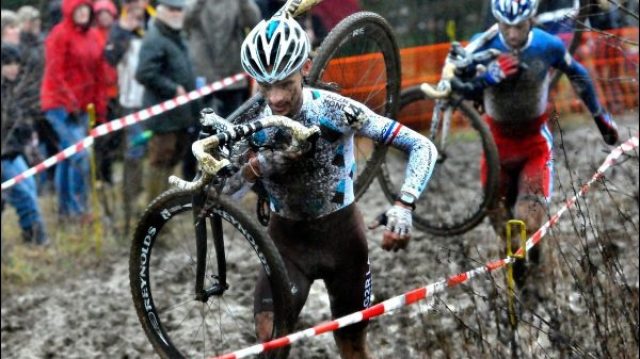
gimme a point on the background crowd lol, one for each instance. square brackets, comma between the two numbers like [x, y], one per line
[128, 55]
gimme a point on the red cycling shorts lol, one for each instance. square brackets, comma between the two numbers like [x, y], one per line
[526, 159]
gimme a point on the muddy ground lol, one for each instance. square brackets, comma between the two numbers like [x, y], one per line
[587, 303]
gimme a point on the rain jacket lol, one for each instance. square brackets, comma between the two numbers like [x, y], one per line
[74, 66]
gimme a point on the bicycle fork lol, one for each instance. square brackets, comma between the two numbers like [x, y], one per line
[200, 224]
[442, 112]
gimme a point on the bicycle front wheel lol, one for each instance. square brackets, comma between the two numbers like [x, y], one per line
[162, 269]
[360, 60]
[455, 199]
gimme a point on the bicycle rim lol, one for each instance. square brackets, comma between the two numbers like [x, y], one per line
[360, 59]
[162, 271]
[455, 199]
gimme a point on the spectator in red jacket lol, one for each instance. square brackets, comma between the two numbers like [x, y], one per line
[73, 78]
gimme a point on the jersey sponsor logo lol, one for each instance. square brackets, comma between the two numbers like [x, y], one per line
[354, 115]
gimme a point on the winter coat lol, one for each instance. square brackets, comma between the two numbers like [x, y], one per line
[163, 66]
[216, 30]
[74, 66]
[32, 49]
[17, 116]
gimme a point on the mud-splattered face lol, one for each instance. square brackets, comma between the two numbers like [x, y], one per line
[284, 97]
[515, 35]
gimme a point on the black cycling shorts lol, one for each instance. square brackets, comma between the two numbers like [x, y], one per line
[332, 248]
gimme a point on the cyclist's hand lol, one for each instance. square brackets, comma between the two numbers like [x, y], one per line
[607, 127]
[398, 227]
[499, 69]
[272, 162]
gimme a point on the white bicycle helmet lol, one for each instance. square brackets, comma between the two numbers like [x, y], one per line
[275, 49]
[514, 12]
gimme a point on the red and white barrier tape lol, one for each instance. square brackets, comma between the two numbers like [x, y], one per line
[121, 123]
[431, 289]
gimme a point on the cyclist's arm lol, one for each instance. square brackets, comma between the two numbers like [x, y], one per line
[421, 151]
[577, 74]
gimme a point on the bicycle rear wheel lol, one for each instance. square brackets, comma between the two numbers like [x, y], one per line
[455, 200]
[162, 267]
[360, 60]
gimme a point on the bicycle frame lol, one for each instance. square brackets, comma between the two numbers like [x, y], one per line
[217, 132]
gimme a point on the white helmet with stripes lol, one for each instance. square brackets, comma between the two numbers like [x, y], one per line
[275, 49]
[514, 12]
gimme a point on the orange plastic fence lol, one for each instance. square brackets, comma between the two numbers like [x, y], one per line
[611, 58]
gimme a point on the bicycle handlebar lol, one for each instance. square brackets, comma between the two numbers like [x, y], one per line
[210, 166]
[458, 59]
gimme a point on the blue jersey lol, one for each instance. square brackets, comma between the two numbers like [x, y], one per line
[524, 96]
[321, 182]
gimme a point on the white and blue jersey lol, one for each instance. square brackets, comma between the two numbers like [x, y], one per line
[321, 182]
[524, 96]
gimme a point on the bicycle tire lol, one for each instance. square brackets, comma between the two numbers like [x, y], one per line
[164, 296]
[362, 29]
[439, 210]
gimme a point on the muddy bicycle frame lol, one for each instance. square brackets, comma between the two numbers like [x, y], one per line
[217, 132]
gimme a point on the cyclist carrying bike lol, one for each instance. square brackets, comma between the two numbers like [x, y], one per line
[315, 223]
[517, 111]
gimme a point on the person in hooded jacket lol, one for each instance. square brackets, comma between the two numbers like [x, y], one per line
[73, 79]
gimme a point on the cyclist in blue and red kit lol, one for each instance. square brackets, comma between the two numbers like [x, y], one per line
[515, 92]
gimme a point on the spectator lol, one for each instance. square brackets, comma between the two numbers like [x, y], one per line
[107, 146]
[17, 137]
[10, 28]
[31, 43]
[122, 51]
[164, 69]
[54, 14]
[73, 79]
[216, 30]
[32, 49]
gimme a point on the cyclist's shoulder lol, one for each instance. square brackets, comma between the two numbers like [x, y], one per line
[544, 38]
[483, 40]
[329, 100]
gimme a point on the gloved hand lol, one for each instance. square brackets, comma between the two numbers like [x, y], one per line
[499, 69]
[607, 127]
[272, 162]
[398, 227]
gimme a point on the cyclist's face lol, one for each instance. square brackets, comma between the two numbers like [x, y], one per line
[515, 35]
[285, 97]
